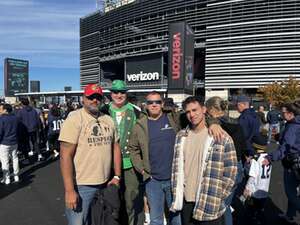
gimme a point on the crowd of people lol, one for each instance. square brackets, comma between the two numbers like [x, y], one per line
[28, 134]
[156, 164]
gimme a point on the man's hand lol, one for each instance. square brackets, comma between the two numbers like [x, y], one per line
[114, 181]
[266, 162]
[216, 131]
[247, 193]
[71, 199]
[248, 158]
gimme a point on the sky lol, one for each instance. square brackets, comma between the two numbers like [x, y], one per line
[45, 32]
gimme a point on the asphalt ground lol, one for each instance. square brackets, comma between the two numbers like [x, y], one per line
[39, 198]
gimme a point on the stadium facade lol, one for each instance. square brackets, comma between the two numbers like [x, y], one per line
[238, 44]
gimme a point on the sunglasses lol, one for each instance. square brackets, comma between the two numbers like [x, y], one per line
[94, 96]
[117, 92]
[157, 102]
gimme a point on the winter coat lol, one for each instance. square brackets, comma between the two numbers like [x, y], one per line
[250, 124]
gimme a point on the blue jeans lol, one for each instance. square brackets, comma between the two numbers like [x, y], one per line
[228, 200]
[290, 187]
[275, 126]
[80, 216]
[157, 193]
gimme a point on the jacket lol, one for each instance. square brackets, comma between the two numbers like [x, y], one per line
[250, 124]
[233, 128]
[290, 141]
[29, 117]
[219, 169]
[138, 145]
[274, 116]
[8, 129]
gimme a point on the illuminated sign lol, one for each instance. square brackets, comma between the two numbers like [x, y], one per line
[15, 76]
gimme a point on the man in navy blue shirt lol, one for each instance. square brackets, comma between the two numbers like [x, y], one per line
[249, 122]
[30, 122]
[151, 146]
[8, 142]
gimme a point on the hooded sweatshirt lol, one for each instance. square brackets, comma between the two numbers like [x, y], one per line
[290, 141]
[8, 129]
[29, 118]
[250, 124]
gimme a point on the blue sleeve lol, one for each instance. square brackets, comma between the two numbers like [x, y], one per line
[287, 141]
[268, 117]
[248, 134]
[1, 130]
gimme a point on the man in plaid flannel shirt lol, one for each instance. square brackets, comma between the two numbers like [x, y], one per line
[203, 171]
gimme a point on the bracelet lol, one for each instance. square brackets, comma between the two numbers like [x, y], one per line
[117, 177]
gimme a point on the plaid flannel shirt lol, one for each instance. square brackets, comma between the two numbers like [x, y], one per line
[217, 177]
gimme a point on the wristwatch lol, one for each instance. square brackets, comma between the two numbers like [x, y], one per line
[117, 177]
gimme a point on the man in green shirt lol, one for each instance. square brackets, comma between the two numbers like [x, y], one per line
[124, 115]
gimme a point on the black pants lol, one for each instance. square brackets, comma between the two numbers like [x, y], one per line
[29, 141]
[187, 216]
[53, 142]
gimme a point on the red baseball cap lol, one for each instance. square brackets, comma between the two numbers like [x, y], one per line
[91, 89]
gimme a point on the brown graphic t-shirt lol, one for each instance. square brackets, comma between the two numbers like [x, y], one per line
[94, 139]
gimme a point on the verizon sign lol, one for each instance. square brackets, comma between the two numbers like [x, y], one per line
[143, 69]
[176, 56]
[143, 76]
[181, 58]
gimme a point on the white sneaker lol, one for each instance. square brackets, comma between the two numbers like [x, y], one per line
[7, 181]
[16, 178]
[30, 153]
[40, 157]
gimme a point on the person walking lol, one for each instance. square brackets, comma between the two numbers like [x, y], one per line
[30, 122]
[54, 121]
[89, 149]
[8, 143]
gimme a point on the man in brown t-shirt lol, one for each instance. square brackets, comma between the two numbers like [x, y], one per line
[89, 146]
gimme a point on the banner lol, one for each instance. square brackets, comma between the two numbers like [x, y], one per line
[181, 58]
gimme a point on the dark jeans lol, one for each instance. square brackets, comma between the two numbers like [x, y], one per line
[28, 142]
[290, 186]
[187, 216]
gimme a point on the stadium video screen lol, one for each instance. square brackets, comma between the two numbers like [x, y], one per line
[16, 76]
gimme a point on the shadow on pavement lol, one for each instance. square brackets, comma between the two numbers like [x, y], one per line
[26, 176]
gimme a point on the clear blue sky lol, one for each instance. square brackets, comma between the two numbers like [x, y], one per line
[45, 32]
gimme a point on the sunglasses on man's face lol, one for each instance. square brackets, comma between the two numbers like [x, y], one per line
[117, 92]
[157, 102]
[94, 96]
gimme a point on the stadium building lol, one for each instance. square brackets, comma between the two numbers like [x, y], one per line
[238, 44]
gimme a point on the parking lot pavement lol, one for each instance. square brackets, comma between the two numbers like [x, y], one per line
[39, 199]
